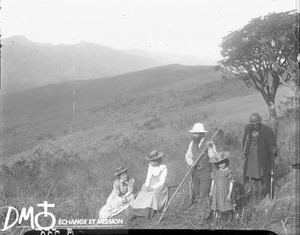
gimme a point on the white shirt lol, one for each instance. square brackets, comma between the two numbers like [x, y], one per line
[189, 155]
[155, 171]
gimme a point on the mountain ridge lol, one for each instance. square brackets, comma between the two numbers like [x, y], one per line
[27, 64]
[47, 110]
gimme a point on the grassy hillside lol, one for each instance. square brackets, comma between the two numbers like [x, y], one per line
[117, 122]
[33, 116]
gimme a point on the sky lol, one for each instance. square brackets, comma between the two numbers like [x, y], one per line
[184, 27]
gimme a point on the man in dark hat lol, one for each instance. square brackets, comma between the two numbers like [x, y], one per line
[260, 150]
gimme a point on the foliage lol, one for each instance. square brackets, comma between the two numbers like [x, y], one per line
[79, 187]
[78, 182]
[245, 55]
[153, 123]
[286, 42]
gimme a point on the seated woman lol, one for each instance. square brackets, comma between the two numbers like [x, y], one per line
[154, 193]
[121, 194]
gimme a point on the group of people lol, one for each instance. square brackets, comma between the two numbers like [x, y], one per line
[152, 197]
[212, 178]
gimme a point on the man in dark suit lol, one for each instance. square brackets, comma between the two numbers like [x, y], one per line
[260, 145]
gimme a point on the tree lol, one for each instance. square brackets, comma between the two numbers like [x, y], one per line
[291, 66]
[260, 53]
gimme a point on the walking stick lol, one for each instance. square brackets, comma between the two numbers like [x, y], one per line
[245, 155]
[272, 189]
[185, 178]
[246, 143]
[248, 190]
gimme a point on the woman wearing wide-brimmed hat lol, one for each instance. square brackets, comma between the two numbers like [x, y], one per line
[154, 193]
[120, 196]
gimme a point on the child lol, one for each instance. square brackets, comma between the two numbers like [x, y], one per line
[222, 184]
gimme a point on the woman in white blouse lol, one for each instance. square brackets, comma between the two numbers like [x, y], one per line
[154, 193]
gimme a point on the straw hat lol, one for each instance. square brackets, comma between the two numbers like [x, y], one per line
[154, 155]
[217, 157]
[198, 128]
[120, 170]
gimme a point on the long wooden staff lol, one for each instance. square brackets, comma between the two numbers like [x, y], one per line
[244, 158]
[244, 151]
[186, 177]
[272, 186]
[272, 189]
[246, 143]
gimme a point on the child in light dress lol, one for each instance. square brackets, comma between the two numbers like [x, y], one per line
[222, 185]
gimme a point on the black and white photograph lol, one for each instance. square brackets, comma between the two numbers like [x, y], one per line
[125, 116]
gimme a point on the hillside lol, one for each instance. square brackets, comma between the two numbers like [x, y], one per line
[34, 115]
[161, 95]
[171, 58]
[27, 64]
[67, 156]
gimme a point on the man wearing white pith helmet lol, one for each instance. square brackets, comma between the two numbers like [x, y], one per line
[202, 168]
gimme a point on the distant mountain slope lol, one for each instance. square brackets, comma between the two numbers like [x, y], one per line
[171, 58]
[101, 90]
[27, 64]
[161, 98]
[30, 116]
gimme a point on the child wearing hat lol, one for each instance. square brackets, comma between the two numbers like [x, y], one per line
[222, 184]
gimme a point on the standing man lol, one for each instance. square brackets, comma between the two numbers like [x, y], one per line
[202, 168]
[260, 145]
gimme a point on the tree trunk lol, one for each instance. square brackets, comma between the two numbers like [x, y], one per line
[273, 119]
[297, 119]
[297, 96]
[272, 114]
